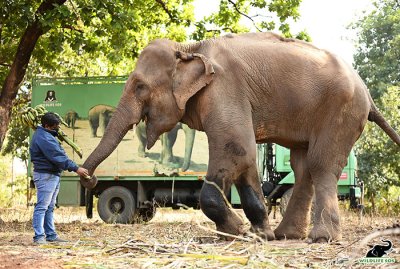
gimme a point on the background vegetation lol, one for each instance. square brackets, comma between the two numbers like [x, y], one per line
[377, 62]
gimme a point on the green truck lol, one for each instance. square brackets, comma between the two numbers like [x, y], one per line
[132, 184]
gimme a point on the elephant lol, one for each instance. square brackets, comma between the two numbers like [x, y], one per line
[379, 250]
[70, 118]
[99, 115]
[168, 140]
[242, 90]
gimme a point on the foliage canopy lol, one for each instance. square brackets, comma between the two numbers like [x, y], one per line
[60, 38]
[377, 61]
[378, 52]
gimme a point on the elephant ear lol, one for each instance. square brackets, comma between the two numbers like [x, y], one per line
[192, 73]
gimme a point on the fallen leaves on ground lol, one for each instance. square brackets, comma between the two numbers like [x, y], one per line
[174, 239]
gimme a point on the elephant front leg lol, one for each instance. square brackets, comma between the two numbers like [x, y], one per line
[214, 206]
[142, 139]
[168, 141]
[253, 204]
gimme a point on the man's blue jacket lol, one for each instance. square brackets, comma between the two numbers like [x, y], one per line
[47, 155]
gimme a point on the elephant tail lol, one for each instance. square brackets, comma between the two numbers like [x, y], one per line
[375, 116]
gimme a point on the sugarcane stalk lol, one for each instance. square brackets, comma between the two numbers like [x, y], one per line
[64, 138]
[31, 117]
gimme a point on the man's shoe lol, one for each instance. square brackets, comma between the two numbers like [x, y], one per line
[57, 240]
[40, 241]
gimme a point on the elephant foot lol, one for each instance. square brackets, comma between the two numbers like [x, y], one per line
[233, 225]
[290, 232]
[322, 233]
[230, 228]
[264, 233]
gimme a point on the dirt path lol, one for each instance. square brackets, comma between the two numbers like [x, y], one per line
[179, 239]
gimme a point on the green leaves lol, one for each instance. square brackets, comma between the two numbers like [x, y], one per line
[239, 16]
[104, 37]
[378, 53]
[18, 136]
[377, 61]
[114, 32]
[378, 156]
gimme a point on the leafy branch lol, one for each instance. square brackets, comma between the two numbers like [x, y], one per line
[244, 14]
[169, 13]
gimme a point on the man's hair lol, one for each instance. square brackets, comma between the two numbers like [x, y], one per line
[50, 119]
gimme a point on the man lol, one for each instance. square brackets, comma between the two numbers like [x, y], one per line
[49, 160]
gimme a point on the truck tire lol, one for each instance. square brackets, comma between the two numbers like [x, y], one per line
[116, 205]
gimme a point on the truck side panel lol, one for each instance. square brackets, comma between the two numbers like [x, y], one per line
[90, 101]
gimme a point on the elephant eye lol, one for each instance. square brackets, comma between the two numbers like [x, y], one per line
[139, 87]
[141, 90]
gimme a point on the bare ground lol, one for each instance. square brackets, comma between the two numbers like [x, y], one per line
[180, 239]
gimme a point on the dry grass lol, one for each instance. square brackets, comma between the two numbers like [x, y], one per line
[178, 239]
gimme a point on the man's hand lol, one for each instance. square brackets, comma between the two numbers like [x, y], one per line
[83, 172]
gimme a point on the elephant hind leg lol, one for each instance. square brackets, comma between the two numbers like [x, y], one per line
[325, 170]
[297, 216]
[93, 127]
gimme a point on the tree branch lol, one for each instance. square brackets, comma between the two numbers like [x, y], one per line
[70, 27]
[164, 6]
[244, 14]
[21, 60]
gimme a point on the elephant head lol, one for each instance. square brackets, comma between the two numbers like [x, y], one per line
[157, 91]
[379, 250]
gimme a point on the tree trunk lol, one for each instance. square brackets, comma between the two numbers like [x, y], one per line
[20, 64]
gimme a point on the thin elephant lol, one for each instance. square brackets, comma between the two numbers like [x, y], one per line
[70, 118]
[247, 89]
[168, 140]
[99, 115]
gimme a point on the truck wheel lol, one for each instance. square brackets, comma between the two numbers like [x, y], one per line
[146, 214]
[117, 205]
[285, 201]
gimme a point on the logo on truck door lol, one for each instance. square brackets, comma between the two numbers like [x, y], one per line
[50, 96]
[50, 99]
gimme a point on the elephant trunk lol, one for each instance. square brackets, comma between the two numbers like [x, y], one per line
[120, 123]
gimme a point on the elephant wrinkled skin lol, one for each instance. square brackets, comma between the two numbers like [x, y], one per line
[247, 89]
